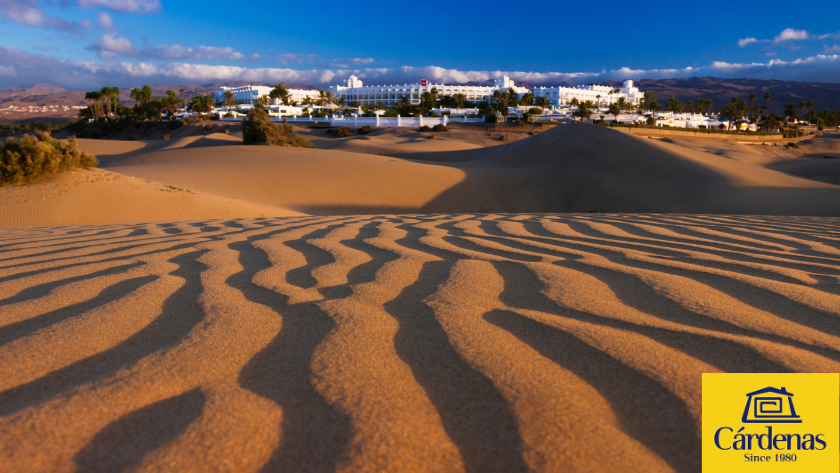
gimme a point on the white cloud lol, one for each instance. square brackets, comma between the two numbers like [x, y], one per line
[23, 11]
[127, 6]
[357, 61]
[746, 41]
[791, 34]
[111, 47]
[8, 71]
[289, 58]
[104, 21]
[27, 12]
[33, 68]
[176, 52]
[835, 48]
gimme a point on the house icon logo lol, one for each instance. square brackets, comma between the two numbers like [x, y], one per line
[770, 406]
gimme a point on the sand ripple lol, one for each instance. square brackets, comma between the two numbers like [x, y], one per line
[398, 343]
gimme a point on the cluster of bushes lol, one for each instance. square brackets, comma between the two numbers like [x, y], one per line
[438, 127]
[695, 130]
[258, 129]
[104, 128]
[12, 128]
[339, 132]
[365, 130]
[34, 157]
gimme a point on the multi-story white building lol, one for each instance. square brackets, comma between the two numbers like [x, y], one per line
[248, 94]
[601, 95]
[355, 91]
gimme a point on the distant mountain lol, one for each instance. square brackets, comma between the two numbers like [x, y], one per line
[721, 91]
[37, 89]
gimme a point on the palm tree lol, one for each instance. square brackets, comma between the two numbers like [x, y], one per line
[93, 98]
[514, 97]
[502, 100]
[527, 99]
[262, 101]
[770, 122]
[106, 97]
[325, 98]
[541, 101]
[615, 110]
[115, 98]
[584, 110]
[622, 104]
[230, 99]
[753, 98]
[810, 111]
[170, 102]
[598, 97]
[280, 92]
[767, 97]
[648, 98]
[181, 91]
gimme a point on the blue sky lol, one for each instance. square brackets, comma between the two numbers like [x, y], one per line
[90, 43]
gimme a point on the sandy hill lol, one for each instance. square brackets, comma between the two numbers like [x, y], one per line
[423, 343]
[573, 168]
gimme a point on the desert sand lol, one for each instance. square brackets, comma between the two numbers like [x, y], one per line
[417, 334]
[399, 343]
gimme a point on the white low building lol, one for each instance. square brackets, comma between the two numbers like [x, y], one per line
[601, 95]
[248, 94]
[354, 90]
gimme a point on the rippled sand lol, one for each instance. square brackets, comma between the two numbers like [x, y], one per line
[398, 343]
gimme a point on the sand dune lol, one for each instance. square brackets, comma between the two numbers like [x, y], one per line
[571, 168]
[399, 343]
[100, 196]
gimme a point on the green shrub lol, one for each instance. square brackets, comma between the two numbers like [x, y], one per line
[651, 121]
[439, 127]
[365, 130]
[208, 126]
[258, 129]
[167, 137]
[31, 126]
[490, 118]
[535, 111]
[431, 137]
[228, 115]
[434, 114]
[342, 132]
[34, 157]
[425, 128]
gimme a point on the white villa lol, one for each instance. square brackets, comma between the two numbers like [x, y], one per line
[248, 94]
[598, 94]
[355, 91]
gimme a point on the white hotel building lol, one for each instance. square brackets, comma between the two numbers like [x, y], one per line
[560, 96]
[390, 95]
[248, 94]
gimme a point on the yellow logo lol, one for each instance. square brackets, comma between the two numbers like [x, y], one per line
[770, 422]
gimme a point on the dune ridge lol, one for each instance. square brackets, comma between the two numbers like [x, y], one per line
[495, 342]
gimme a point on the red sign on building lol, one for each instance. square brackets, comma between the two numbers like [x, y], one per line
[423, 83]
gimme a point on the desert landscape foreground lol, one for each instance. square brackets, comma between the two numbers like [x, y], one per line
[398, 303]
